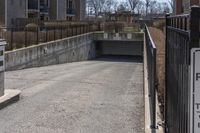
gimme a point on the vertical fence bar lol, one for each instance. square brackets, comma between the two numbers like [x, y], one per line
[61, 32]
[166, 59]
[37, 32]
[76, 29]
[72, 30]
[11, 39]
[54, 33]
[67, 29]
[46, 33]
[194, 27]
[25, 37]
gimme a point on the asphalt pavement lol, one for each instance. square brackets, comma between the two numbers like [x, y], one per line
[99, 96]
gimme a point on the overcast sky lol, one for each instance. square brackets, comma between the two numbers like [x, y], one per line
[157, 0]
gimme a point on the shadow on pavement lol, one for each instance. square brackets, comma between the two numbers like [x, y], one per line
[120, 58]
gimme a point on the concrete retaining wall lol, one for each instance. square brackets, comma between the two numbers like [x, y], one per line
[77, 48]
[136, 36]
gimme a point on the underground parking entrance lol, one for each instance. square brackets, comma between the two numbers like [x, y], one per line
[116, 50]
[103, 95]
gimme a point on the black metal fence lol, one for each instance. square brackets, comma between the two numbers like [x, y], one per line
[32, 34]
[182, 34]
[151, 68]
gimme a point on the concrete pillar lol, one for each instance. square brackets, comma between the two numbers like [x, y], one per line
[2, 68]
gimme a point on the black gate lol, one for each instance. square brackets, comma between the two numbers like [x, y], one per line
[182, 34]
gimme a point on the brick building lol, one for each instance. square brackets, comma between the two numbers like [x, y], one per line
[183, 6]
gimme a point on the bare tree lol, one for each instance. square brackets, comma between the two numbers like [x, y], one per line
[147, 4]
[166, 8]
[96, 6]
[171, 3]
[153, 7]
[122, 6]
[133, 4]
[110, 6]
[158, 8]
[140, 7]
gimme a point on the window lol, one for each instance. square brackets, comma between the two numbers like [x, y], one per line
[1, 63]
[1, 53]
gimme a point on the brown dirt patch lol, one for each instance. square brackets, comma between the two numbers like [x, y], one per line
[158, 37]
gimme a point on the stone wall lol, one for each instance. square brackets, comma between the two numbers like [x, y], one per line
[77, 48]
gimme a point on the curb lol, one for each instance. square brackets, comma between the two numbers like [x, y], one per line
[147, 102]
[10, 97]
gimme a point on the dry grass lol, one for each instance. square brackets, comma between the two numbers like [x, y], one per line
[159, 40]
[160, 24]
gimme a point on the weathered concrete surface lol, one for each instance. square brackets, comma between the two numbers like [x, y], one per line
[101, 96]
[9, 97]
[122, 36]
[72, 49]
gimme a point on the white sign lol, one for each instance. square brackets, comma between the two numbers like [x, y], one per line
[195, 91]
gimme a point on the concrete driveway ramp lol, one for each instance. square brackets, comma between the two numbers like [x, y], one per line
[99, 96]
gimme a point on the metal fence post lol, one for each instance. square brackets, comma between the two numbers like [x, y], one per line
[194, 27]
[25, 37]
[166, 59]
[76, 29]
[11, 39]
[54, 35]
[67, 29]
[72, 30]
[46, 29]
[61, 32]
[37, 35]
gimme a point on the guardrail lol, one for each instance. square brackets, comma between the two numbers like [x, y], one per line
[151, 69]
